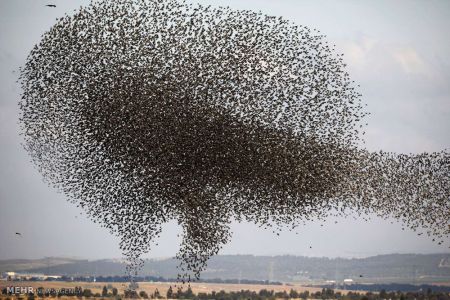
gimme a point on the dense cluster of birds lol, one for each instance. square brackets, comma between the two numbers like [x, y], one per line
[147, 111]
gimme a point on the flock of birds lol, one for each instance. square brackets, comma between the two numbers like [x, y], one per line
[147, 111]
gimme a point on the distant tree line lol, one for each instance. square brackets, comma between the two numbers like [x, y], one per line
[265, 294]
[394, 287]
[150, 279]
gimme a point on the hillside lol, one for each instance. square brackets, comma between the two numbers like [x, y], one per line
[24, 265]
[399, 268]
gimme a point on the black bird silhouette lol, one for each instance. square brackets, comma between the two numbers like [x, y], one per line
[51, 5]
[19, 234]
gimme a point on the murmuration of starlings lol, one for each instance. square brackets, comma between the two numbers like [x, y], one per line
[142, 112]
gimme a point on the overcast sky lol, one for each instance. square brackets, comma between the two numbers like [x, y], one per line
[398, 51]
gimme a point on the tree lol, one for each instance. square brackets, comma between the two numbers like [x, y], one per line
[87, 293]
[305, 295]
[132, 294]
[265, 293]
[281, 295]
[327, 293]
[169, 293]
[105, 291]
[293, 294]
[189, 294]
[143, 295]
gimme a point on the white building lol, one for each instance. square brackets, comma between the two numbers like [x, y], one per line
[27, 276]
[348, 281]
[8, 275]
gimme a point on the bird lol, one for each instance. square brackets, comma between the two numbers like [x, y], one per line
[50, 5]
[19, 234]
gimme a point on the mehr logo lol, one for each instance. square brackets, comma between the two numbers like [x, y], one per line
[24, 290]
[17, 290]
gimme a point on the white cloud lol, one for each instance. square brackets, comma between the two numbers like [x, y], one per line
[411, 62]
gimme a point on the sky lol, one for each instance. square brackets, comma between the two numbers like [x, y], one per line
[398, 51]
